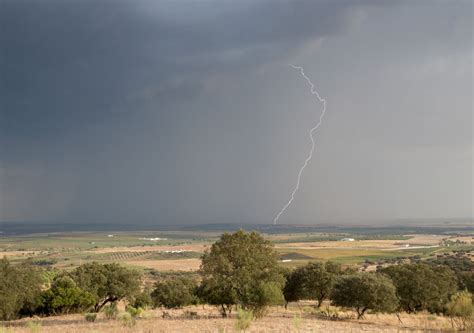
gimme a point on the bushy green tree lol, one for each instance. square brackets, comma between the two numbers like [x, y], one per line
[466, 281]
[312, 282]
[108, 283]
[318, 279]
[65, 297]
[293, 290]
[143, 299]
[174, 292]
[422, 287]
[20, 287]
[241, 268]
[364, 292]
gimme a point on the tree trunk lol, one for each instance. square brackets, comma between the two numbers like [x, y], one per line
[399, 319]
[99, 306]
[360, 314]
[223, 311]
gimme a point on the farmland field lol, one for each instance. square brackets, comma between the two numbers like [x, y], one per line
[181, 250]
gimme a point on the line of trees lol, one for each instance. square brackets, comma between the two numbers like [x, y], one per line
[240, 270]
[25, 289]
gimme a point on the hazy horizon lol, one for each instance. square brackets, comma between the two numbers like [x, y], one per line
[162, 113]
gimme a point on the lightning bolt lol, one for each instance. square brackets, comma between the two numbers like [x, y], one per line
[310, 155]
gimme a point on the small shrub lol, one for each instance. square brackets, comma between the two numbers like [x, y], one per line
[90, 317]
[134, 312]
[34, 327]
[111, 311]
[143, 300]
[461, 310]
[297, 323]
[244, 319]
[146, 315]
[330, 313]
[190, 314]
[126, 319]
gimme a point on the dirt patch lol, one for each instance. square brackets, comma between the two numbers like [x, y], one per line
[424, 239]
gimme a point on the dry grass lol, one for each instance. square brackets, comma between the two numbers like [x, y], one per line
[425, 239]
[278, 320]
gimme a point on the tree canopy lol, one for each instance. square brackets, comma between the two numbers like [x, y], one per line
[20, 287]
[313, 281]
[421, 287]
[241, 268]
[65, 297]
[107, 282]
[174, 292]
[364, 292]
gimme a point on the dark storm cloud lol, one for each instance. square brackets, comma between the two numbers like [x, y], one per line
[104, 51]
[112, 108]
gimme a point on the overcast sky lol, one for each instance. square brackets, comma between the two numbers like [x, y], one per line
[188, 111]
